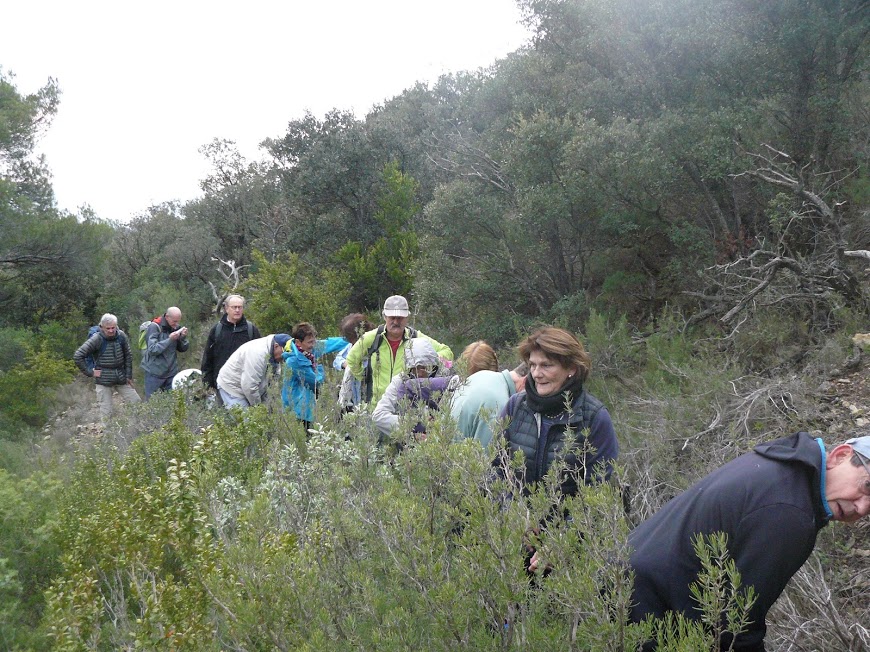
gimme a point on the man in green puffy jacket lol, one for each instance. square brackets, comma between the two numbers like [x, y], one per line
[383, 348]
[113, 364]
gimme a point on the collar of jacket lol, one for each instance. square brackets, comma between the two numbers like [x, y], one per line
[227, 322]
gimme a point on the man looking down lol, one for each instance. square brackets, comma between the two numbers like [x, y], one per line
[771, 504]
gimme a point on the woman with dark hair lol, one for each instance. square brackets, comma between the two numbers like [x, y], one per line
[304, 375]
[556, 417]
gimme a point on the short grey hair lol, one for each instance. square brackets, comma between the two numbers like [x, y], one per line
[108, 319]
[235, 296]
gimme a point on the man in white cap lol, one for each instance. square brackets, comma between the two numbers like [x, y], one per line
[383, 348]
[771, 504]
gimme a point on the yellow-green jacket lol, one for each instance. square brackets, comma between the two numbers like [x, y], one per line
[383, 366]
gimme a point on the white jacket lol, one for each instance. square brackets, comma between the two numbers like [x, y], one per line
[246, 373]
[386, 413]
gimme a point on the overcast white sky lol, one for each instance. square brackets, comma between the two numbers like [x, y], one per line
[145, 85]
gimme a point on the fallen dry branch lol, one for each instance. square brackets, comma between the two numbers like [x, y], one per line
[801, 261]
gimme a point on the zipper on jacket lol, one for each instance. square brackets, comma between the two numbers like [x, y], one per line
[568, 425]
[542, 446]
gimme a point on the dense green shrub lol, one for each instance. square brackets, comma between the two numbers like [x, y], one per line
[25, 390]
[238, 537]
[29, 554]
[14, 344]
[284, 292]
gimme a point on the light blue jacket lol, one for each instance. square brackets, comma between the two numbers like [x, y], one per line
[301, 378]
[478, 402]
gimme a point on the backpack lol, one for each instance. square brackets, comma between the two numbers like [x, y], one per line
[143, 331]
[90, 361]
[220, 326]
[367, 380]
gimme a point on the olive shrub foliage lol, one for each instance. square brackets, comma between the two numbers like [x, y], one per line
[242, 535]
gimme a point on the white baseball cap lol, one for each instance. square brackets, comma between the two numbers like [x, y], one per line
[396, 306]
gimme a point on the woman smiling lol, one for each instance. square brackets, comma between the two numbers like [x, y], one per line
[555, 417]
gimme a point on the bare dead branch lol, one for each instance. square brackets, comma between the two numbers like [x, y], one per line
[858, 253]
[804, 262]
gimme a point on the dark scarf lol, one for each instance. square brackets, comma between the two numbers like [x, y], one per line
[310, 356]
[552, 405]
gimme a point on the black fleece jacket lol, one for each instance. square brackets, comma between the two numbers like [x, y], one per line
[768, 503]
[218, 350]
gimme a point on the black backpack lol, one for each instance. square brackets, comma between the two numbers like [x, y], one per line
[220, 326]
[367, 380]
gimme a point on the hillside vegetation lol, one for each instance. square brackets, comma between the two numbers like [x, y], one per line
[682, 184]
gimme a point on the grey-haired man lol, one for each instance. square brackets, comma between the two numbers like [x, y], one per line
[224, 338]
[113, 364]
[771, 504]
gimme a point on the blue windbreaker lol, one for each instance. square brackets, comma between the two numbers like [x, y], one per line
[301, 378]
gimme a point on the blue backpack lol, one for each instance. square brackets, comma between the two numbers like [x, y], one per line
[90, 363]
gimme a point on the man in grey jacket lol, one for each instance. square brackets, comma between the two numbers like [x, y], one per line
[163, 341]
[113, 364]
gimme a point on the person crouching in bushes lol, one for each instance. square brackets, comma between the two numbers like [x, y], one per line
[418, 391]
[556, 418]
[303, 375]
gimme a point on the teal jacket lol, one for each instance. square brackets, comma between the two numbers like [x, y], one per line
[478, 402]
[302, 380]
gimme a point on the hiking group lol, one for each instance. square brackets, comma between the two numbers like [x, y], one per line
[770, 502]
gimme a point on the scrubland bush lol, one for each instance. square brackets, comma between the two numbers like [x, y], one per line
[25, 395]
[285, 291]
[243, 535]
[665, 392]
[29, 554]
[14, 343]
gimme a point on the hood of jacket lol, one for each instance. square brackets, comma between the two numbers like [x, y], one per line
[419, 351]
[803, 450]
[799, 448]
[164, 325]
